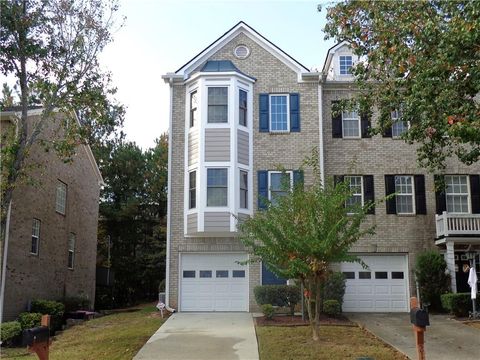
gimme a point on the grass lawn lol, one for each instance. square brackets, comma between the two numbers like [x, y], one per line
[116, 336]
[336, 342]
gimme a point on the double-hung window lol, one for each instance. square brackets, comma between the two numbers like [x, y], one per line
[193, 108]
[71, 250]
[242, 107]
[399, 127]
[217, 105]
[192, 190]
[279, 113]
[217, 187]
[35, 237]
[243, 189]
[345, 64]
[456, 193]
[404, 197]
[279, 184]
[356, 197]
[351, 124]
[61, 198]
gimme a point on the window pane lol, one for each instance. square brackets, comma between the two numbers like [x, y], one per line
[238, 273]
[217, 177]
[278, 113]
[397, 274]
[398, 126]
[242, 108]
[217, 104]
[221, 274]
[456, 193]
[61, 197]
[34, 245]
[217, 197]
[188, 273]
[355, 184]
[349, 274]
[193, 108]
[70, 259]
[243, 189]
[279, 181]
[36, 228]
[351, 124]
[192, 189]
[345, 65]
[205, 273]
[381, 275]
[404, 197]
[364, 275]
[217, 187]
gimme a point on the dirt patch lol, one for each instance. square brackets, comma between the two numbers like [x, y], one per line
[287, 320]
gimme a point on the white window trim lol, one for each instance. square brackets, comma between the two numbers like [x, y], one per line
[414, 210]
[248, 120]
[240, 170]
[216, 208]
[270, 181]
[36, 236]
[361, 188]
[469, 194]
[196, 191]
[358, 118]
[190, 92]
[270, 113]
[340, 68]
[229, 104]
[64, 205]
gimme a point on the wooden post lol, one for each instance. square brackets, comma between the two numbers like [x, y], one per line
[419, 332]
[42, 348]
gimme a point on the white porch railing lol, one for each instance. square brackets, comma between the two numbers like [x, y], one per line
[457, 224]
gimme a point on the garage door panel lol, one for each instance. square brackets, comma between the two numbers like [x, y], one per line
[382, 289]
[364, 289]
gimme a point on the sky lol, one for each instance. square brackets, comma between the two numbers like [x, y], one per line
[159, 36]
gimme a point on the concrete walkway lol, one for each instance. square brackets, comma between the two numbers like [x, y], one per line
[203, 336]
[445, 339]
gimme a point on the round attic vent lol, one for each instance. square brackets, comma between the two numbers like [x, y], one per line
[241, 52]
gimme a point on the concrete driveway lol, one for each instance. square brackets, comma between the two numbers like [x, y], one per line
[445, 339]
[203, 336]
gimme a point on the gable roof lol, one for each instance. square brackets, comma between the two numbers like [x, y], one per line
[254, 35]
[331, 52]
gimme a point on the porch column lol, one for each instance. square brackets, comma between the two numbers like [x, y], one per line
[450, 260]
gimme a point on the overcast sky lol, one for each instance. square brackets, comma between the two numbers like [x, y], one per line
[160, 36]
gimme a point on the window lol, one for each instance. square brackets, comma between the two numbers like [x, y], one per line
[279, 113]
[192, 190]
[349, 274]
[243, 189]
[399, 127]
[242, 108]
[280, 183]
[351, 124]
[71, 250]
[238, 273]
[456, 193]
[346, 65]
[35, 237]
[221, 273]
[381, 275]
[355, 183]
[193, 108]
[205, 273]
[364, 275]
[404, 197]
[397, 275]
[61, 198]
[188, 274]
[217, 104]
[217, 180]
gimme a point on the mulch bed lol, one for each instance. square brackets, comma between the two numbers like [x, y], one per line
[287, 320]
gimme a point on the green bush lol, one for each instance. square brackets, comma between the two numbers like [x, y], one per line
[29, 320]
[332, 308]
[9, 331]
[457, 304]
[278, 295]
[268, 311]
[334, 288]
[50, 307]
[74, 303]
[432, 278]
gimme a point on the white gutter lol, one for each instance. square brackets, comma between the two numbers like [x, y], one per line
[5, 256]
[169, 196]
[320, 129]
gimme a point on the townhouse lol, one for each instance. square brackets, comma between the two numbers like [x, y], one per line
[241, 108]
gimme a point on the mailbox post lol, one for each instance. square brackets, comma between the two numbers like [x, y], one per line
[419, 319]
[38, 339]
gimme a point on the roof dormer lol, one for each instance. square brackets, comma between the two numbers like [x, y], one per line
[339, 62]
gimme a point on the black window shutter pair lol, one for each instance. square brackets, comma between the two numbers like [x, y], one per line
[337, 131]
[441, 200]
[263, 186]
[368, 189]
[420, 198]
[264, 108]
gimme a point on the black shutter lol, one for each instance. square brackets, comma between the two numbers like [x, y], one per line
[262, 189]
[294, 112]
[475, 193]
[264, 113]
[440, 197]
[390, 189]
[420, 200]
[338, 179]
[365, 123]
[336, 122]
[369, 192]
[298, 178]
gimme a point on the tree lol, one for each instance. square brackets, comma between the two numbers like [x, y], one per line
[423, 58]
[432, 277]
[305, 231]
[51, 49]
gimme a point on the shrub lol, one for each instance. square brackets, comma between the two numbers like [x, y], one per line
[268, 311]
[50, 307]
[334, 288]
[74, 303]
[278, 295]
[29, 320]
[9, 331]
[332, 308]
[457, 304]
[432, 278]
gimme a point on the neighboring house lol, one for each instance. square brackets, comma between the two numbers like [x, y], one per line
[242, 107]
[52, 239]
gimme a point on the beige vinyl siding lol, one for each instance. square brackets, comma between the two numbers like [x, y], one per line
[217, 144]
[192, 223]
[242, 218]
[242, 147]
[217, 221]
[193, 148]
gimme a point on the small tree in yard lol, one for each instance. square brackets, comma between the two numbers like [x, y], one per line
[304, 232]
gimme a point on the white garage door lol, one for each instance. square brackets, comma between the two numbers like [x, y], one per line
[213, 282]
[383, 287]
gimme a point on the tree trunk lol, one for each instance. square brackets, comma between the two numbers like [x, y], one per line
[318, 307]
[308, 285]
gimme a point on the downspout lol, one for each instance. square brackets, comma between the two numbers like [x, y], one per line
[169, 196]
[320, 129]
[5, 256]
